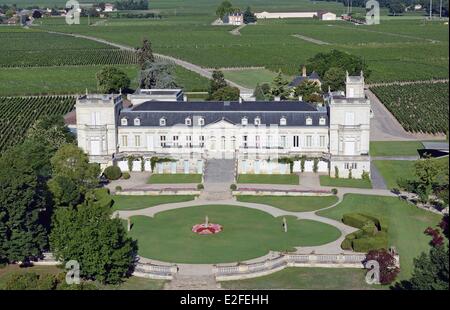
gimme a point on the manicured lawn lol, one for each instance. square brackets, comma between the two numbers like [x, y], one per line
[292, 203]
[247, 233]
[141, 202]
[325, 180]
[406, 223]
[306, 278]
[392, 170]
[174, 178]
[395, 148]
[269, 179]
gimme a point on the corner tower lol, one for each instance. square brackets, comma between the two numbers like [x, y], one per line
[350, 130]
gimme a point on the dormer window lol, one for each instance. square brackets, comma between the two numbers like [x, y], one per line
[257, 121]
[137, 122]
[124, 122]
[201, 121]
[283, 121]
[308, 120]
[244, 121]
[162, 121]
[322, 121]
[187, 121]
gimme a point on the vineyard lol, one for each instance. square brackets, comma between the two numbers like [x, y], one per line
[67, 58]
[17, 114]
[418, 107]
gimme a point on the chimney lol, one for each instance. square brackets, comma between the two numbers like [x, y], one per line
[277, 98]
[304, 71]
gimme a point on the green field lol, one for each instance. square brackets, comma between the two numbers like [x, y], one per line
[341, 182]
[306, 279]
[292, 203]
[141, 202]
[17, 115]
[395, 148]
[247, 233]
[398, 49]
[291, 179]
[406, 223]
[174, 178]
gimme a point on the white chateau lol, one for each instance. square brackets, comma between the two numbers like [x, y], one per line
[162, 123]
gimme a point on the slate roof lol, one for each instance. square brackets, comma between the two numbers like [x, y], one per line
[295, 112]
[300, 78]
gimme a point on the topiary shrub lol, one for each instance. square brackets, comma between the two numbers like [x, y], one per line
[125, 175]
[355, 220]
[334, 191]
[336, 172]
[118, 188]
[233, 187]
[315, 165]
[350, 175]
[200, 186]
[112, 173]
[369, 229]
[365, 175]
[346, 244]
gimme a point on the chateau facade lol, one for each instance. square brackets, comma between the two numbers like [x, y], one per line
[161, 123]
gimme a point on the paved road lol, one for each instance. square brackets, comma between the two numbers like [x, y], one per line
[376, 177]
[384, 126]
[190, 66]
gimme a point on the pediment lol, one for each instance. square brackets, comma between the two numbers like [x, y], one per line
[221, 123]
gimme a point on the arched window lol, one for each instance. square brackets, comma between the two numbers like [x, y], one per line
[283, 121]
[137, 122]
[124, 121]
[162, 121]
[308, 120]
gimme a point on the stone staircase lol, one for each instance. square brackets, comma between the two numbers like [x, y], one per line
[218, 176]
[192, 282]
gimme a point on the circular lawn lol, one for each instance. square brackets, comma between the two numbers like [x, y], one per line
[247, 233]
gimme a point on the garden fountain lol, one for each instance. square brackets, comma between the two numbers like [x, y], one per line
[207, 228]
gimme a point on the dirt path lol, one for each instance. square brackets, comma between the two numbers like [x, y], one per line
[236, 30]
[187, 65]
[312, 40]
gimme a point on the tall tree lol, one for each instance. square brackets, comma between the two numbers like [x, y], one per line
[157, 74]
[334, 79]
[427, 172]
[22, 235]
[71, 168]
[226, 93]
[279, 87]
[224, 8]
[112, 80]
[99, 243]
[258, 93]
[145, 54]
[307, 89]
[218, 81]
[248, 16]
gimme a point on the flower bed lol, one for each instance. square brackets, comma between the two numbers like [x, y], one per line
[207, 229]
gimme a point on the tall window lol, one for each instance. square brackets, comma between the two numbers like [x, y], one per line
[162, 140]
[350, 165]
[245, 141]
[296, 141]
[189, 141]
[322, 141]
[124, 140]
[257, 142]
[95, 118]
[269, 141]
[175, 141]
[308, 141]
[202, 141]
[137, 140]
[283, 141]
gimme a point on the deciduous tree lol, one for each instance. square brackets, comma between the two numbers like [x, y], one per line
[112, 80]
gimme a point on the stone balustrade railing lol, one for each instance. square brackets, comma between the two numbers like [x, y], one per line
[251, 270]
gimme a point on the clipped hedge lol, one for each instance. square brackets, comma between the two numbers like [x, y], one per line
[112, 173]
[380, 241]
[358, 220]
